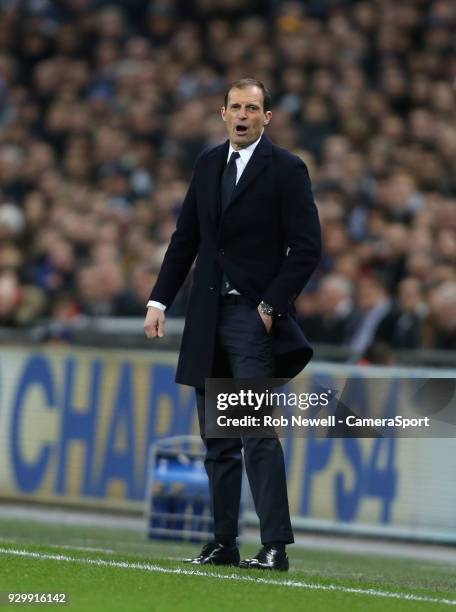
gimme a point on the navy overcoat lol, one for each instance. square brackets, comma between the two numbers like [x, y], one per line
[268, 242]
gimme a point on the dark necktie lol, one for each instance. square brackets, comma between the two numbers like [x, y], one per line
[229, 181]
[227, 186]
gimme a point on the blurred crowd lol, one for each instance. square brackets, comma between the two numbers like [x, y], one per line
[104, 107]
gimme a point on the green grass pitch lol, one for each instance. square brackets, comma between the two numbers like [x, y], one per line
[119, 570]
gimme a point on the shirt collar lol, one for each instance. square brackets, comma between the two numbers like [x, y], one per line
[247, 152]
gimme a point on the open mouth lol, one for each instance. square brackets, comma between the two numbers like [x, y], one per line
[241, 129]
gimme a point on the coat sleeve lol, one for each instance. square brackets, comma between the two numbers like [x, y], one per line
[181, 251]
[302, 234]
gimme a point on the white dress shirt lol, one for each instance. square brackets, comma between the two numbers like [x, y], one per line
[244, 157]
[241, 163]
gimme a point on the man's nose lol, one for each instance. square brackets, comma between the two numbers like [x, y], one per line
[242, 113]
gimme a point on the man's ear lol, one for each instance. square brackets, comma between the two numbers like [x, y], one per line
[222, 112]
[268, 115]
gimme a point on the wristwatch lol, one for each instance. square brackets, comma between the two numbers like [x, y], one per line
[266, 309]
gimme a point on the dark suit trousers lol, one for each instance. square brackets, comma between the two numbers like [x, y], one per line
[244, 350]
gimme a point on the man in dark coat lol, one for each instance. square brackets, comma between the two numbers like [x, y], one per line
[250, 220]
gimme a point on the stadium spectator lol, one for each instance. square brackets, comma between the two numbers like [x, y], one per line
[374, 303]
[443, 316]
[334, 319]
[402, 327]
[19, 304]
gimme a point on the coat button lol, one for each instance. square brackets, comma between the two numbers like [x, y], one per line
[222, 252]
[211, 288]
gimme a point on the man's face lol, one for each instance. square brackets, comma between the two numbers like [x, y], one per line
[244, 116]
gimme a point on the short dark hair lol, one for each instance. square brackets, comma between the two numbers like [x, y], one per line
[248, 82]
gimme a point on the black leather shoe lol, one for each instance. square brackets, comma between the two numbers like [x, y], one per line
[215, 553]
[269, 558]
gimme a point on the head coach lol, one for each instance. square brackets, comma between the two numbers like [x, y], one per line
[250, 221]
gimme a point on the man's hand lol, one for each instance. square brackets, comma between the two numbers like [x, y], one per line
[154, 325]
[267, 319]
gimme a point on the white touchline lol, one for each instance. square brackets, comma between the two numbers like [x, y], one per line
[236, 577]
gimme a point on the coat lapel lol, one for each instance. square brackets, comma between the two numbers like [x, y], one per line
[258, 161]
[216, 163]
